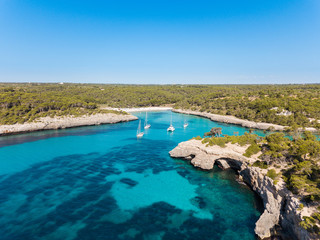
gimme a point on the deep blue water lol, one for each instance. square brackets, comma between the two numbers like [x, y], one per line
[101, 182]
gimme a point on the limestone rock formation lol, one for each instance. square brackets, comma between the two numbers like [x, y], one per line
[238, 121]
[280, 205]
[46, 123]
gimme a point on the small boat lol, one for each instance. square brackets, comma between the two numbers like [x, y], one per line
[139, 133]
[146, 125]
[186, 124]
[171, 128]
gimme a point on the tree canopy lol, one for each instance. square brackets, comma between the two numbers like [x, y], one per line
[260, 103]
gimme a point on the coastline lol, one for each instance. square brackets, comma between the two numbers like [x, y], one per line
[281, 207]
[237, 121]
[48, 123]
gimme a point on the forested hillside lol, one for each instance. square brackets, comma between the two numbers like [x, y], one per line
[280, 104]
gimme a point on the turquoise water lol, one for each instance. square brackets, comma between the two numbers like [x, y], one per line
[101, 182]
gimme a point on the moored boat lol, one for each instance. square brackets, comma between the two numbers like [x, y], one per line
[146, 124]
[139, 133]
[186, 124]
[170, 128]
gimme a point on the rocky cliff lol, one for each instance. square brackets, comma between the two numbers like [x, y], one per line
[238, 121]
[281, 207]
[46, 123]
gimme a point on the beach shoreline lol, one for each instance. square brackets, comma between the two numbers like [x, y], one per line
[238, 121]
[215, 117]
[48, 123]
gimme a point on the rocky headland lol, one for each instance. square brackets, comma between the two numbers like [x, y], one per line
[47, 123]
[281, 207]
[238, 121]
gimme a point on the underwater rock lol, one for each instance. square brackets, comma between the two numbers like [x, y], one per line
[129, 182]
[198, 202]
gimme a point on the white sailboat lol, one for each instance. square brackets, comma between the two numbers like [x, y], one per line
[146, 125]
[171, 128]
[139, 133]
[186, 124]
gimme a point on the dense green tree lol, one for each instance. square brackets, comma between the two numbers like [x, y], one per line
[261, 103]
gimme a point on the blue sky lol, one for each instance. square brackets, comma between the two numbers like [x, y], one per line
[153, 42]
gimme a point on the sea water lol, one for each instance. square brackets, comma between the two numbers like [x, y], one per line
[101, 182]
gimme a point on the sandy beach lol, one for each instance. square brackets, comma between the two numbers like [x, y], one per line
[47, 123]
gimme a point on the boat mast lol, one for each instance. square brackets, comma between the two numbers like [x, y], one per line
[146, 121]
[139, 127]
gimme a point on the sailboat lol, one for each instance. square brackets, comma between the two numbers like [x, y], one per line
[171, 128]
[186, 124]
[139, 133]
[146, 125]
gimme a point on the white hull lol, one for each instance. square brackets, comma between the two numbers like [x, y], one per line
[147, 126]
[170, 129]
[139, 135]
[185, 125]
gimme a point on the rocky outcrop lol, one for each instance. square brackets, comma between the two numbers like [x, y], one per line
[280, 205]
[291, 216]
[272, 201]
[46, 123]
[205, 157]
[238, 121]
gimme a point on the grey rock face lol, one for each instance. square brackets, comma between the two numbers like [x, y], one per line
[291, 217]
[272, 201]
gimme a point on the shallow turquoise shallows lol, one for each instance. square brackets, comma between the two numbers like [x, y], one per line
[101, 182]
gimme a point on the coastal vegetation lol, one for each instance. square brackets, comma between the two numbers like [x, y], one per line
[21, 103]
[294, 159]
[290, 105]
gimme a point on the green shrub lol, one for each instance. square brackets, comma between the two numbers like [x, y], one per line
[310, 224]
[241, 140]
[272, 174]
[317, 216]
[301, 206]
[252, 149]
[197, 138]
[260, 164]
